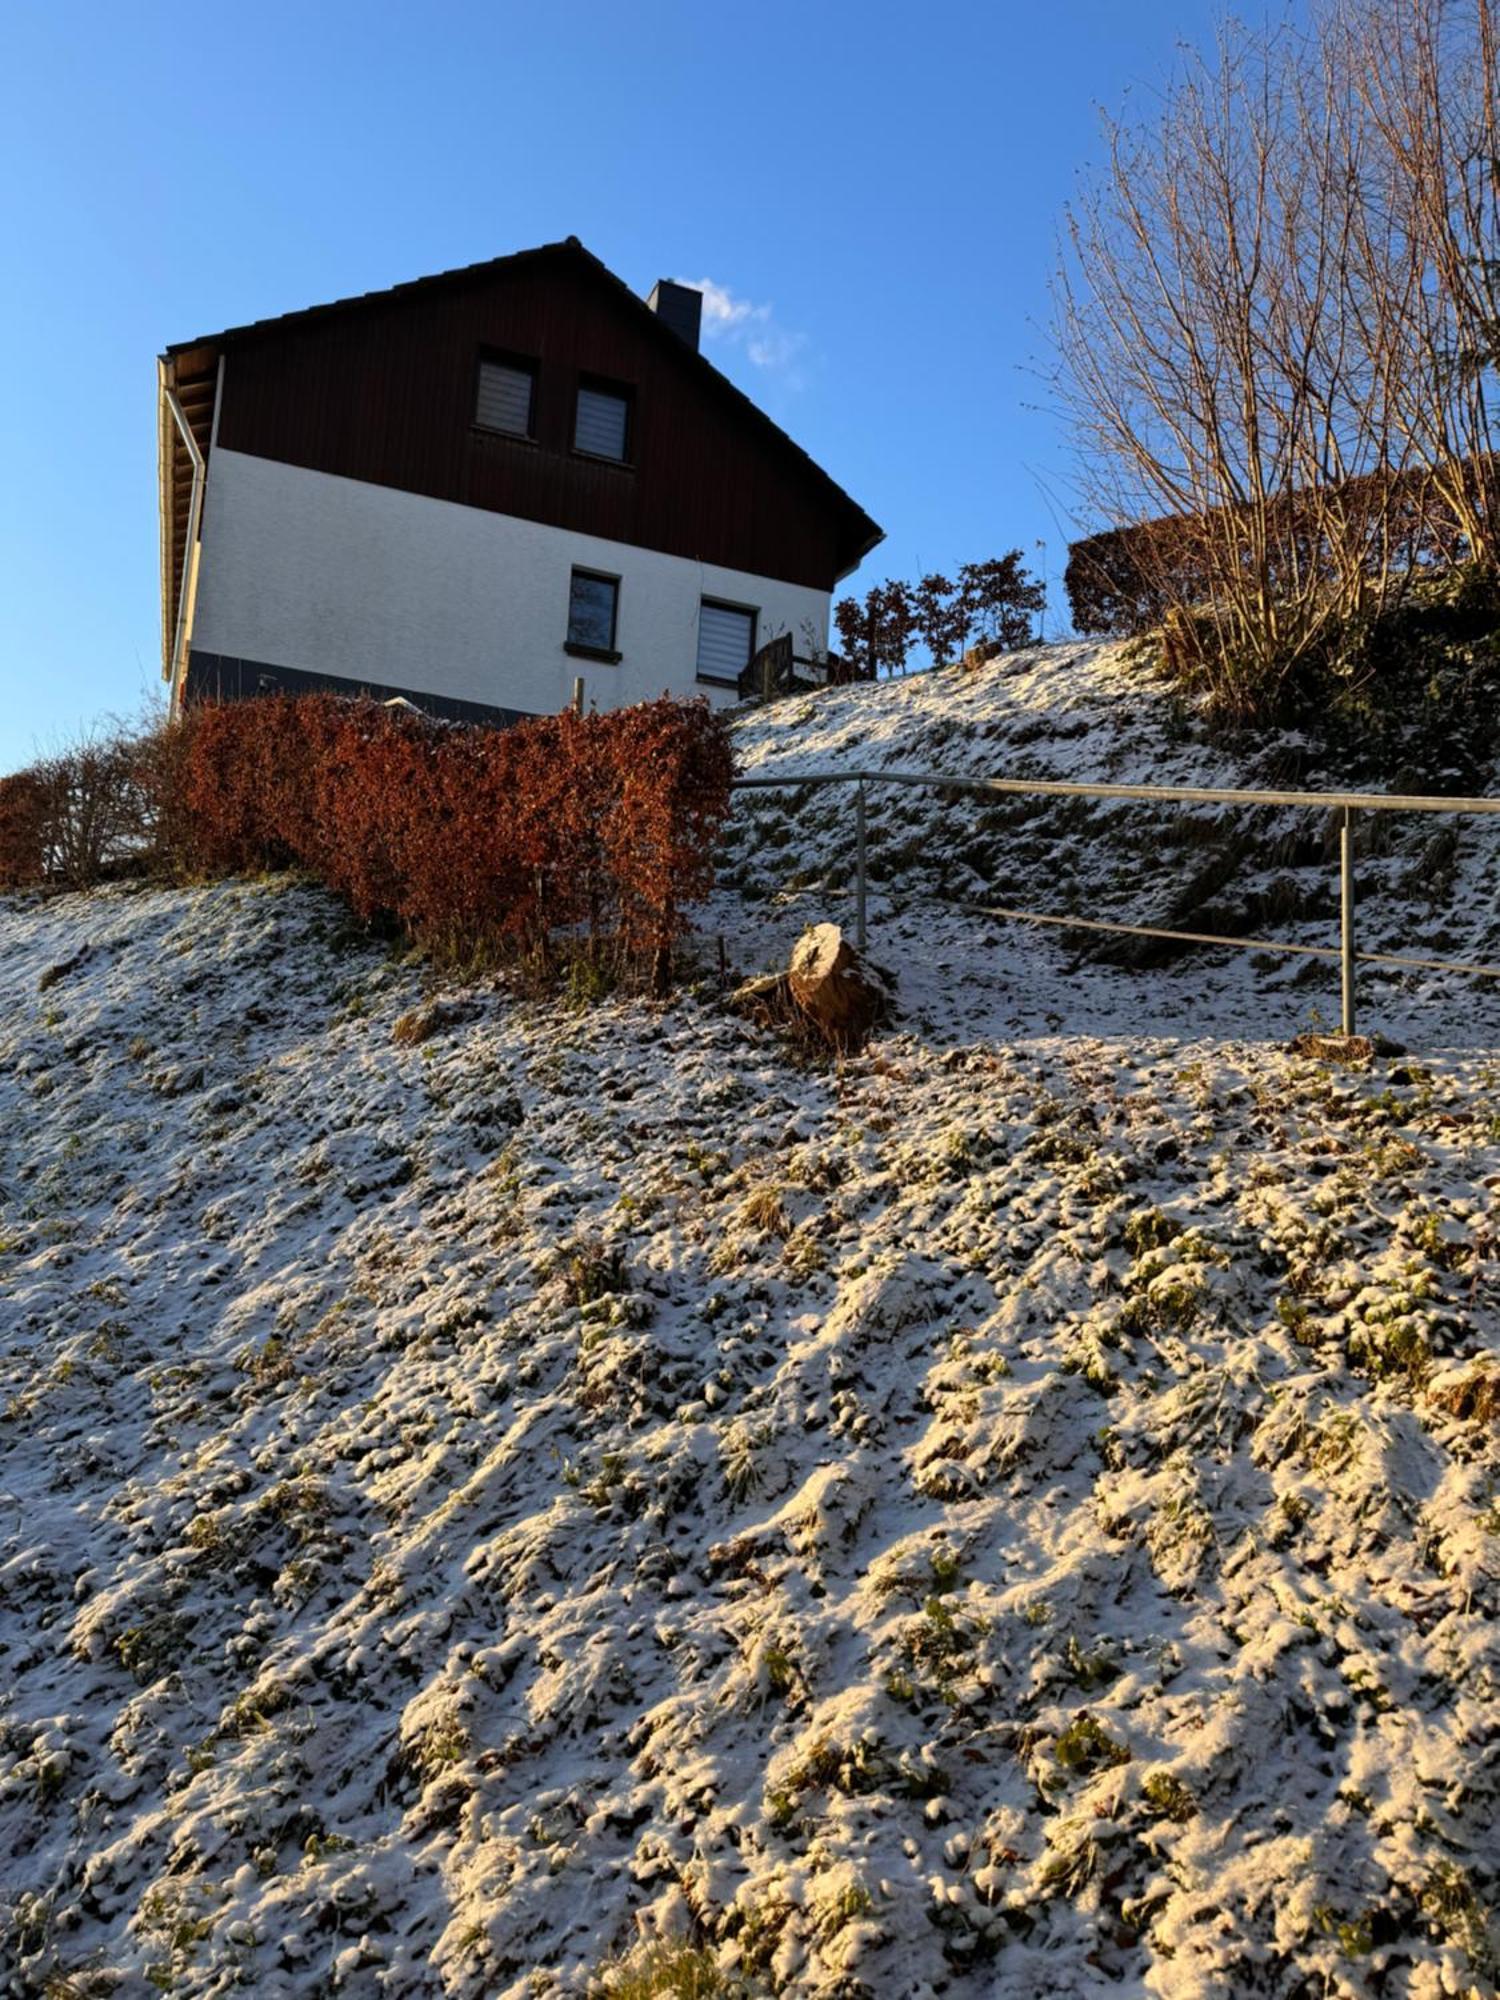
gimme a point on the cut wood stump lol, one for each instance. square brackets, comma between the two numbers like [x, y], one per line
[829, 990]
[833, 987]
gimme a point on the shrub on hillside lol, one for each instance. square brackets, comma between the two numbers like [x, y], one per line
[23, 809]
[1123, 581]
[77, 816]
[1406, 696]
[564, 831]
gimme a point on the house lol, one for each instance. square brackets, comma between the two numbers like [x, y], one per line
[473, 490]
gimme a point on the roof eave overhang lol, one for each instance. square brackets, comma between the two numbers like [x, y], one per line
[166, 440]
[186, 387]
[871, 542]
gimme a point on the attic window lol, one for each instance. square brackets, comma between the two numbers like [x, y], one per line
[726, 642]
[602, 424]
[507, 397]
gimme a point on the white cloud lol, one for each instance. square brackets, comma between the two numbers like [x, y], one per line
[722, 311]
[753, 329]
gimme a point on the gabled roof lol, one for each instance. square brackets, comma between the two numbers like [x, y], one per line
[408, 288]
[192, 364]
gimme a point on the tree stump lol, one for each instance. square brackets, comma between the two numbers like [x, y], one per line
[832, 986]
[829, 990]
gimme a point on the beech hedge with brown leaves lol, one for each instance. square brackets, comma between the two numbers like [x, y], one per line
[562, 831]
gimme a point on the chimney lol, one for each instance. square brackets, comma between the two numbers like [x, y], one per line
[679, 307]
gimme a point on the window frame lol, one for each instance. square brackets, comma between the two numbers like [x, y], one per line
[750, 611]
[581, 649]
[623, 392]
[527, 364]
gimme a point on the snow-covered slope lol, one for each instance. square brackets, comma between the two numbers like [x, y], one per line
[1013, 1514]
[1428, 887]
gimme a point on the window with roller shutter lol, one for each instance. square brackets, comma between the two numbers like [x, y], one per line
[506, 398]
[726, 642]
[601, 423]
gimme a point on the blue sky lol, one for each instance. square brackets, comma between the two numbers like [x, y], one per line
[875, 191]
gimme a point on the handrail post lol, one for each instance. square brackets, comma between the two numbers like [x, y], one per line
[859, 864]
[1346, 917]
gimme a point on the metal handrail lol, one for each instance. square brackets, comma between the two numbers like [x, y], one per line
[1168, 794]
[1345, 803]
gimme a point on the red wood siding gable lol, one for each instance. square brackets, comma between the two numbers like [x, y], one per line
[384, 389]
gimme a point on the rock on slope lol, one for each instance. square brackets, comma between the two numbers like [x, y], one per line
[984, 1519]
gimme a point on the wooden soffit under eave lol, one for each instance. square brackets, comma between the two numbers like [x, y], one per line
[192, 377]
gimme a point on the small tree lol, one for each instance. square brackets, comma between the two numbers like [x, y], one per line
[992, 603]
[998, 600]
[876, 635]
[942, 617]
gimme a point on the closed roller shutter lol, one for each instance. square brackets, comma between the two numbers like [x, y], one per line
[505, 398]
[726, 639]
[602, 423]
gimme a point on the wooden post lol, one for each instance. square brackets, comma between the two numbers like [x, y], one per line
[578, 694]
[1346, 917]
[859, 864]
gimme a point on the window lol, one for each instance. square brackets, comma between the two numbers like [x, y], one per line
[601, 426]
[593, 613]
[507, 397]
[726, 642]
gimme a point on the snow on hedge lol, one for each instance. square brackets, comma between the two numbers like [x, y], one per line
[1015, 1513]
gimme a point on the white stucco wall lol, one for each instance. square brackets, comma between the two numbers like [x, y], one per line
[301, 569]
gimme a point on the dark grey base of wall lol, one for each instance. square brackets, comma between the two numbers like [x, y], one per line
[220, 677]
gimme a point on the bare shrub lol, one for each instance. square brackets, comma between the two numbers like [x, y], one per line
[99, 817]
[1427, 79]
[1276, 321]
[82, 814]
